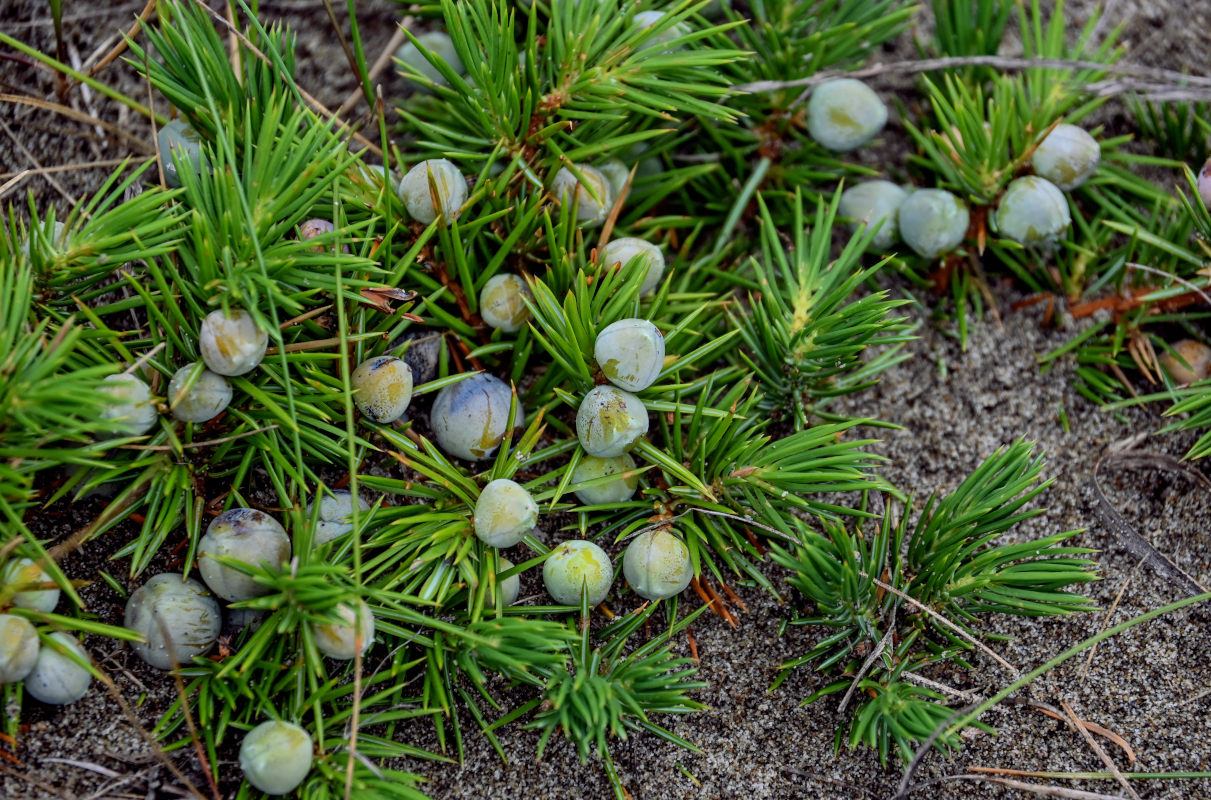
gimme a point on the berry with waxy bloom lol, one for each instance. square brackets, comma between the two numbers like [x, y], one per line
[575, 566]
[231, 343]
[844, 113]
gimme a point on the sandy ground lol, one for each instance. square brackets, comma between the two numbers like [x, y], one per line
[1150, 686]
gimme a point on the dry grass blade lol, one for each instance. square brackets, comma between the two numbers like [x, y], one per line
[1118, 596]
[1132, 77]
[87, 765]
[14, 180]
[120, 47]
[384, 59]
[1131, 265]
[966, 697]
[50, 791]
[199, 445]
[1042, 790]
[1083, 728]
[81, 165]
[68, 111]
[936, 616]
[33, 159]
[869, 662]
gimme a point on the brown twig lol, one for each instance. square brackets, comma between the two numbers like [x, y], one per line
[1144, 77]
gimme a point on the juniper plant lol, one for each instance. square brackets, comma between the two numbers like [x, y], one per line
[766, 310]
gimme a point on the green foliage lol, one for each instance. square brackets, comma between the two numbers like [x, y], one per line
[189, 64]
[806, 334]
[1174, 130]
[766, 312]
[972, 28]
[602, 693]
[926, 584]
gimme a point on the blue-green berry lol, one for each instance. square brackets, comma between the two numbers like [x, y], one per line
[933, 222]
[844, 114]
[1032, 211]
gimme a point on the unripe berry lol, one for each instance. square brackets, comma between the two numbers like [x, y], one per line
[616, 174]
[574, 566]
[610, 421]
[933, 222]
[336, 511]
[1032, 211]
[382, 388]
[647, 256]
[351, 635]
[618, 490]
[206, 399]
[504, 513]
[243, 534]
[657, 565]
[630, 353]
[132, 406]
[874, 203]
[510, 587]
[177, 618]
[58, 679]
[27, 572]
[179, 142]
[470, 418]
[1067, 157]
[18, 648]
[844, 113]
[647, 19]
[231, 343]
[592, 198]
[276, 756]
[502, 302]
[444, 198]
[440, 44]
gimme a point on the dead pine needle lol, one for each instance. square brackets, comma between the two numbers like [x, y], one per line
[1097, 748]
